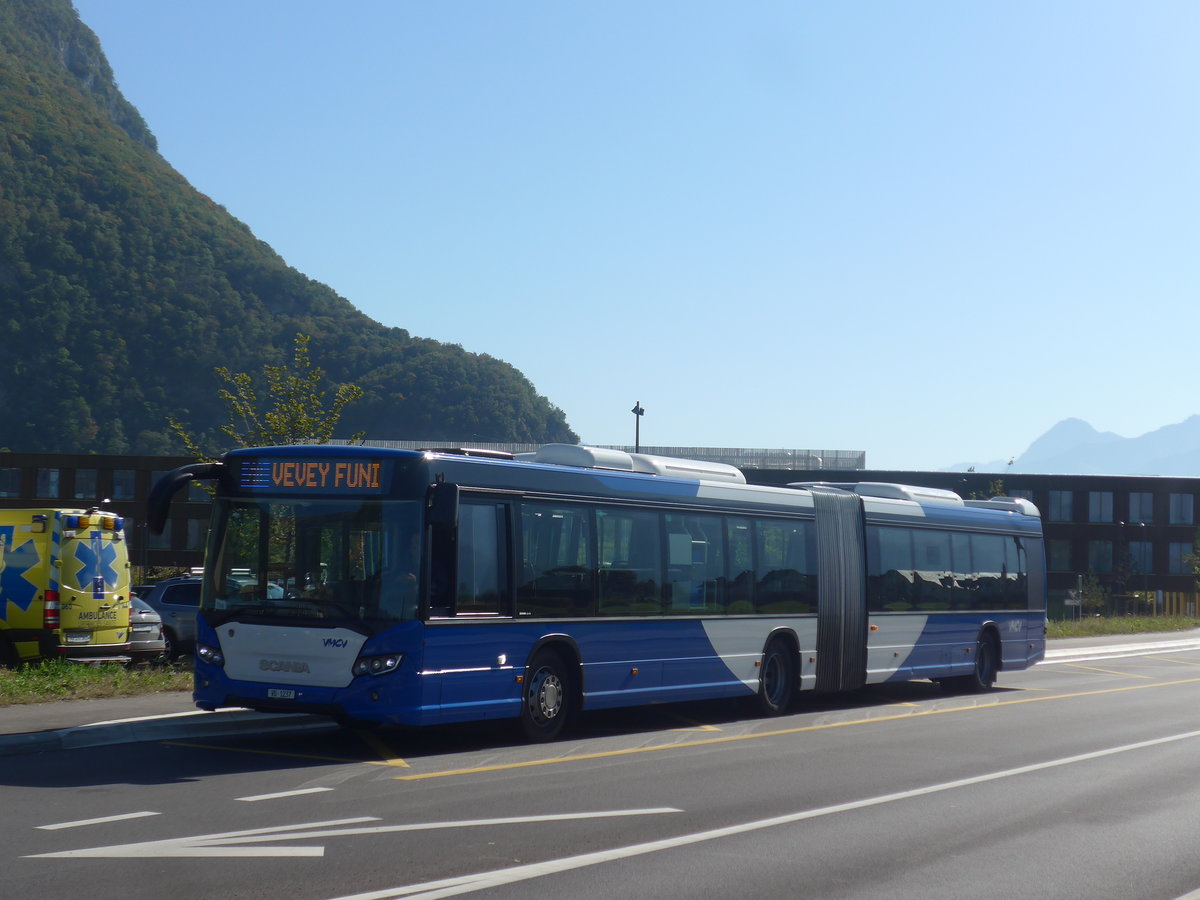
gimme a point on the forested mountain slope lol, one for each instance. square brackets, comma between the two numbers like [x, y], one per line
[122, 287]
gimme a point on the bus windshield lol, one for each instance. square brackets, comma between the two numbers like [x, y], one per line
[354, 561]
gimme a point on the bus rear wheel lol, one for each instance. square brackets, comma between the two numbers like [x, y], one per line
[983, 677]
[547, 698]
[777, 678]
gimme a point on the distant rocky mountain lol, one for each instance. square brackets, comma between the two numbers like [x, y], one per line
[1073, 447]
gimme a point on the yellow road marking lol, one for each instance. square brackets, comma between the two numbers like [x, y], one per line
[1171, 659]
[693, 725]
[728, 739]
[381, 748]
[1105, 671]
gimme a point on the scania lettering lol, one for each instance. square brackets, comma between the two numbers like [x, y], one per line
[411, 587]
[64, 586]
[282, 665]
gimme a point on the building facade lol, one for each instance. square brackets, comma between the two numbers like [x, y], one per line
[1128, 540]
[120, 484]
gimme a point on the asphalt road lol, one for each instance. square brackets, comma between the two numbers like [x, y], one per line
[1075, 779]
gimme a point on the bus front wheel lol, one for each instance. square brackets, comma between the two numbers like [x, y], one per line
[777, 678]
[547, 697]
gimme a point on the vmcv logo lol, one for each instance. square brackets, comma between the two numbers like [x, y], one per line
[336, 642]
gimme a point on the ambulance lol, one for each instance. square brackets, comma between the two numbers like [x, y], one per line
[64, 586]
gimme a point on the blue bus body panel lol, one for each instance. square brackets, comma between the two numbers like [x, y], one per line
[455, 671]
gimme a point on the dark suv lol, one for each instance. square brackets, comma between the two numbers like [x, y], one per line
[176, 600]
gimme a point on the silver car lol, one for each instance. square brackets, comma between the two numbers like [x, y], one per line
[146, 642]
[176, 600]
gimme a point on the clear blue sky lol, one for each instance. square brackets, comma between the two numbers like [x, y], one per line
[929, 231]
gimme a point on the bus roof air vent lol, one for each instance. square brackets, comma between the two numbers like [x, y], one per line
[607, 458]
[890, 491]
[1012, 504]
[696, 469]
[579, 455]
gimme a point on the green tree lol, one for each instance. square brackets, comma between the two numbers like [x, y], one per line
[1096, 596]
[296, 412]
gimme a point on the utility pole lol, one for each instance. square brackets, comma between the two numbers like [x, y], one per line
[638, 412]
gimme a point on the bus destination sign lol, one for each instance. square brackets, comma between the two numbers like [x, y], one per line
[325, 475]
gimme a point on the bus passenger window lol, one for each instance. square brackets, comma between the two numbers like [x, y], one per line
[890, 569]
[987, 555]
[740, 587]
[482, 579]
[556, 546]
[785, 583]
[932, 577]
[695, 565]
[630, 562]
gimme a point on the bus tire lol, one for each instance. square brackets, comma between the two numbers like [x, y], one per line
[9, 657]
[776, 678]
[547, 698]
[983, 676]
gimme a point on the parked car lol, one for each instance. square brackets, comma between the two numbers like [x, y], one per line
[176, 600]
[146, 641]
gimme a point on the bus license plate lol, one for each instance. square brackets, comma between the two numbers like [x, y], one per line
[280, 694]
[79, 637]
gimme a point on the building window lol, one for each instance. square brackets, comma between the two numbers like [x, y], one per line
[47, 483]
[85, 485]
[1141, 507]
[1022, 495]
[1100, 556]
[123, 484]
[1181, 509]
[1058, 555]
[1179, 558]
[197, 531]
[1060, 506]
[10, 482]
[1141, 557]
[160, 541]
[1100, 506]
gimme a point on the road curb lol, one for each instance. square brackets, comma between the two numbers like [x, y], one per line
[1111, 651]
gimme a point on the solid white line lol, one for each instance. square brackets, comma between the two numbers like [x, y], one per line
[282, 794]
[100, 821]
[463, 884]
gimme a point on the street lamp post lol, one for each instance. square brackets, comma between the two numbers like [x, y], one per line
[638, 412]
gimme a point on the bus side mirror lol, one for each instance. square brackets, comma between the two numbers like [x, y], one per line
[443, 505]
[159, 502]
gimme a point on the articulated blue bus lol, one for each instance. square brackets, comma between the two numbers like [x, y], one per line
[421, 587]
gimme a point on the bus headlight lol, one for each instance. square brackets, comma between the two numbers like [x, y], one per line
[377, 665]
[210, 655]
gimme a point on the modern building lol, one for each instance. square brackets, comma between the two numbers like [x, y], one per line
[1126, 539]
[117, 483]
